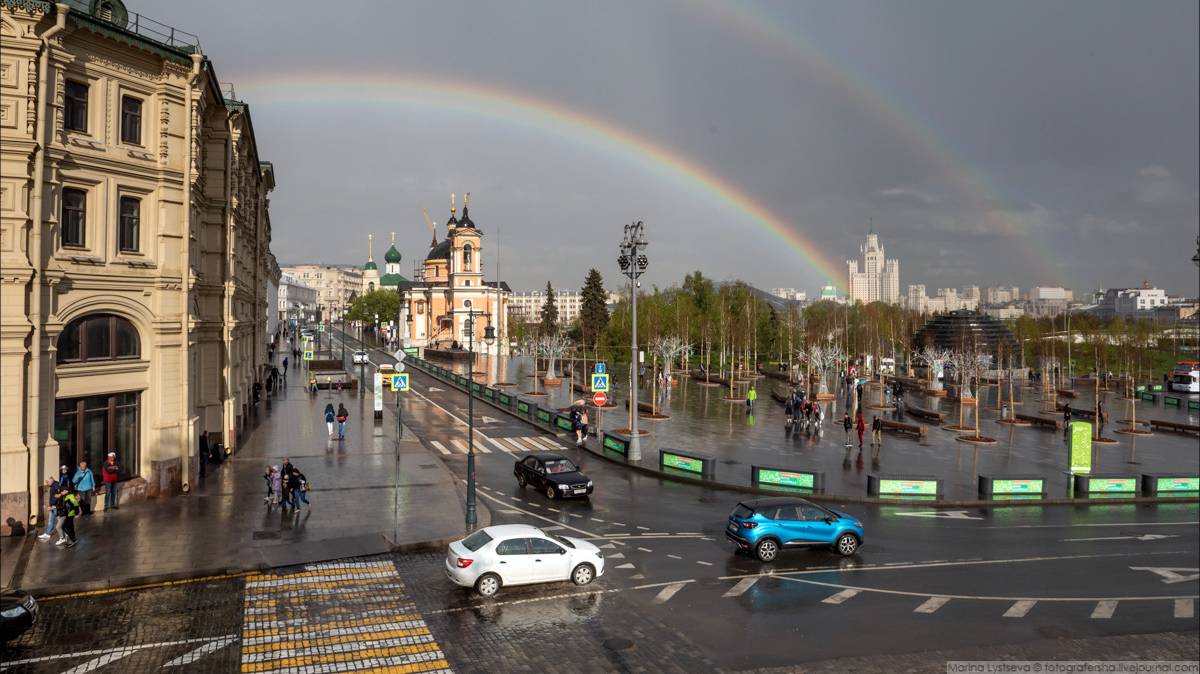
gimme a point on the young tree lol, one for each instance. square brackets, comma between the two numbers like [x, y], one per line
[593, 312]
[384, 303]
[552, 345]
[549, 311]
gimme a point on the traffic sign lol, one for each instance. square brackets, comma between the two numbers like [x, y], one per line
[600, 368]
[599, 382]
[400, 382]
[308, 354]
[599, 398]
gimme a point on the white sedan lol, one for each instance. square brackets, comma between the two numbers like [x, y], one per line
[360, 356]
[520, 554]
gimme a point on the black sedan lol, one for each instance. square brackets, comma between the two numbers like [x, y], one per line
[18, 610]
[552, 474]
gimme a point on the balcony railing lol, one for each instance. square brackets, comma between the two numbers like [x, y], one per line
[142, 26]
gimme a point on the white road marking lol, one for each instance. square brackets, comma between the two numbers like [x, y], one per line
[645, 549]
[704, 563]
[439, 446]
[488, 420]
[617, 524]
[479, 446]
[617, 555]
[101, 661]
[553, 509]
[574, 515]
[192, 656]
[450, 414]
[104, 651]
[932, 604]
[552, 528]
[644, 528]
[540, 517]
[942, 514]
[839, 597]
[626, 565]
[1099, 524]
[741, 587]
[637, 577]
[1104, 609]
[1185, 608]
[511, 512]
[516, 445]
[596, 519]
[1019, 609]
[607, 546]
[667, 592]
[1143, 537]
[675, 557]
[1170, 574]
[497, 445]
[655, 533]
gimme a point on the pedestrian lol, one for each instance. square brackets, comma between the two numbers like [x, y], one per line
[270, 490]
[847, 424]
[64, 477]
[295, 485]
[51, 508]
[285, 362]
[68, 509]
[342, 416]
[287, 468]
[876, 431]
[1067, 417]
[751, 396]
[312, 383]
[330, 417]
[787, 412]
[110, 473]
[1101, 417]
[276, 482]
[84, 483]
[861, 427]
[583, 425]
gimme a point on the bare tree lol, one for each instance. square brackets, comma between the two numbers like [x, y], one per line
[552, 346]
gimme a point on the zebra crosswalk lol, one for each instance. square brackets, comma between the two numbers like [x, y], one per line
[488, 445]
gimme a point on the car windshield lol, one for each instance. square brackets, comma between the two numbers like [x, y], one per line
[558, 538]
[476, 540]
[560, 466]
[742, 511]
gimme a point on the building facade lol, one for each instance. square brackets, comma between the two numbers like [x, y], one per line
[134, 251]
[790, 294]
[873, 278]
[296, 301]
[336, 286]
[450, 288]
[391, 278]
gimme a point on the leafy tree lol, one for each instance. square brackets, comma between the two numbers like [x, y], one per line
[385, 303]
[549, 312]
[593, 312]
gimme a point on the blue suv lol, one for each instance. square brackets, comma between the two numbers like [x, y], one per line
[767, 525]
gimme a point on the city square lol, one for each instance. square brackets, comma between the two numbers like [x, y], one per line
[897, 372]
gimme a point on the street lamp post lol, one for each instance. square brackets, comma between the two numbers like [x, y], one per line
[489, 336]
[633, 264]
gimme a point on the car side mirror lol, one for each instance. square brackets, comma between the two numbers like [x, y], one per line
[830, 520]
[562, 551]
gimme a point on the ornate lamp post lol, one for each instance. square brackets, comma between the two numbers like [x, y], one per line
[489, 337]
[633, 264]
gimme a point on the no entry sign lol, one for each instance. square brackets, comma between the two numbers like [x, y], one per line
[599, 398]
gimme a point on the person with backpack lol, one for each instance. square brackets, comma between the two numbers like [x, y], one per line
[847, 424]
[110, 473]
[751, 396]
[51, 508]
[84, 483]
[342, 416]
[330, 417]
[68, 510]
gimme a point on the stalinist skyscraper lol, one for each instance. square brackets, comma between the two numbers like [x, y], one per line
[879, 280]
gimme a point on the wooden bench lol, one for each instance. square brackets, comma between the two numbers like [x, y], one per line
[914, 430]
[1040, 421]
[1079, 412]
[1066, 393]
[922, 413]
[1175, 426]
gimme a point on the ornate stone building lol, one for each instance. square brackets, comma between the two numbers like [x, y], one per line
[134, 250]
[879, 280]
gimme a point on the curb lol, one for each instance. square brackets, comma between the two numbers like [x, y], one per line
[842, 498]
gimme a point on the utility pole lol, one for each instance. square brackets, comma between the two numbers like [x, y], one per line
[633, 264]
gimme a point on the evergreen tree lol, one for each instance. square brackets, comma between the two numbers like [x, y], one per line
[593, 312]
[549, 312]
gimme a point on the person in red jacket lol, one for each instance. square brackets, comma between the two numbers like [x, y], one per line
[861, 426]
[111, 474]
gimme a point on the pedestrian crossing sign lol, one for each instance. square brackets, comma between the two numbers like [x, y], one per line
[308, 354]
[400, 382]
[599, 382]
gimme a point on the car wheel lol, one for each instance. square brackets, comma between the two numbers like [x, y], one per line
[487, 585]
[521, 480]
[767, 549]
[583, 574]
[847, 544]
[551, 492]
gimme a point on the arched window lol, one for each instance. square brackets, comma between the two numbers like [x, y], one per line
[98, 337]
[467, 257]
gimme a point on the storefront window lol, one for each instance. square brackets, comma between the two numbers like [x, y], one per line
[98, 337]
[87, 429]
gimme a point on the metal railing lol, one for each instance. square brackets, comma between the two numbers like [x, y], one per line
[142, 26]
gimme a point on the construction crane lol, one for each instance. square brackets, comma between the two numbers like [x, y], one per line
[432, 227]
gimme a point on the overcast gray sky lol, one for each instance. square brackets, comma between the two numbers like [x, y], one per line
[992, 143]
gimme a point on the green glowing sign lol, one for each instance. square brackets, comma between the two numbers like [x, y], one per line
[504, 400]
[685, 463]
[1168, 484]
[786, 478]
[489, 393]
[1106, 485]
[614, 444]
[1081, 447]
[1157, 388]
[920, 487]
[543, 415]
[1018, 486]
[564, 423]
[522, 407]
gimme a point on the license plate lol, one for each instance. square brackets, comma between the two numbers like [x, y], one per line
[733, 528]
[581, 491]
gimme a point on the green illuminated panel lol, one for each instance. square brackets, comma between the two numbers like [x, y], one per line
[475, 386]
[1081, 447]
[614, 444]
[564, 424]
[1018, 486]
[1104, 485]
[786, 478]
[1169, 484]
[683, 463]
[489, 393]
[522, 407]
[543, 415]
[504, 400]
[890, 486]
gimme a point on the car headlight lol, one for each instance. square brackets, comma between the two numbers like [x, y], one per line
[14, 612]
[589, 483]
[564, 486]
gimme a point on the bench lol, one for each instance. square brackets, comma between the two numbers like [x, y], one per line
[1175, 426]
[904, 429]
[1038, 420]
[922, 413]
[1079, 412]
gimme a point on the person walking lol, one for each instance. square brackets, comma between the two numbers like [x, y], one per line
[847, 424]
[51, 508]
[110, 473]
[342, 416]
[68, 510]
[751, 396]
[84, 483]
[285, 362]
[787, 412]
[1067, 418]
[1101, 417]
[296, 484]
[276, 482]
[876, 431]
[330, 417]
[583, 425]
[270, 490]
[861, 427]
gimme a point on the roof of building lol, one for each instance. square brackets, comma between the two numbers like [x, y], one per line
[503, 285]
[392, 280]
[370, 265]
[466, 219]
[440, 251]
[392, 255]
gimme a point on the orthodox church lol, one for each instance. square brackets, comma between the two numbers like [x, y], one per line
[391, 278]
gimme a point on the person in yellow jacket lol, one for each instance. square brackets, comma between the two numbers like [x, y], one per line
[751, 396]
[68, 510]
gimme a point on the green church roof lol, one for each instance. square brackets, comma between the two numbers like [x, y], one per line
[389, 280]
[370, 265]
[392, 255]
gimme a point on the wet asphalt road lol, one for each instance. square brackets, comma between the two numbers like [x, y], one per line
[924, 579]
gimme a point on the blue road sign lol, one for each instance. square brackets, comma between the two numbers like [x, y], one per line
[599, 382]
[600, 369]
[400, 382]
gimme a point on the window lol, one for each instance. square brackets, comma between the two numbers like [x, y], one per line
[467, 257]
[541, 546]
[75, 107]
[786, 514]
[73, 220]
[513, 546]
[476, 540]
[87, 429]
[559, 466]
[131, 120]
[420, 307]
[810, 513]
[98, 337]
[130, 225]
